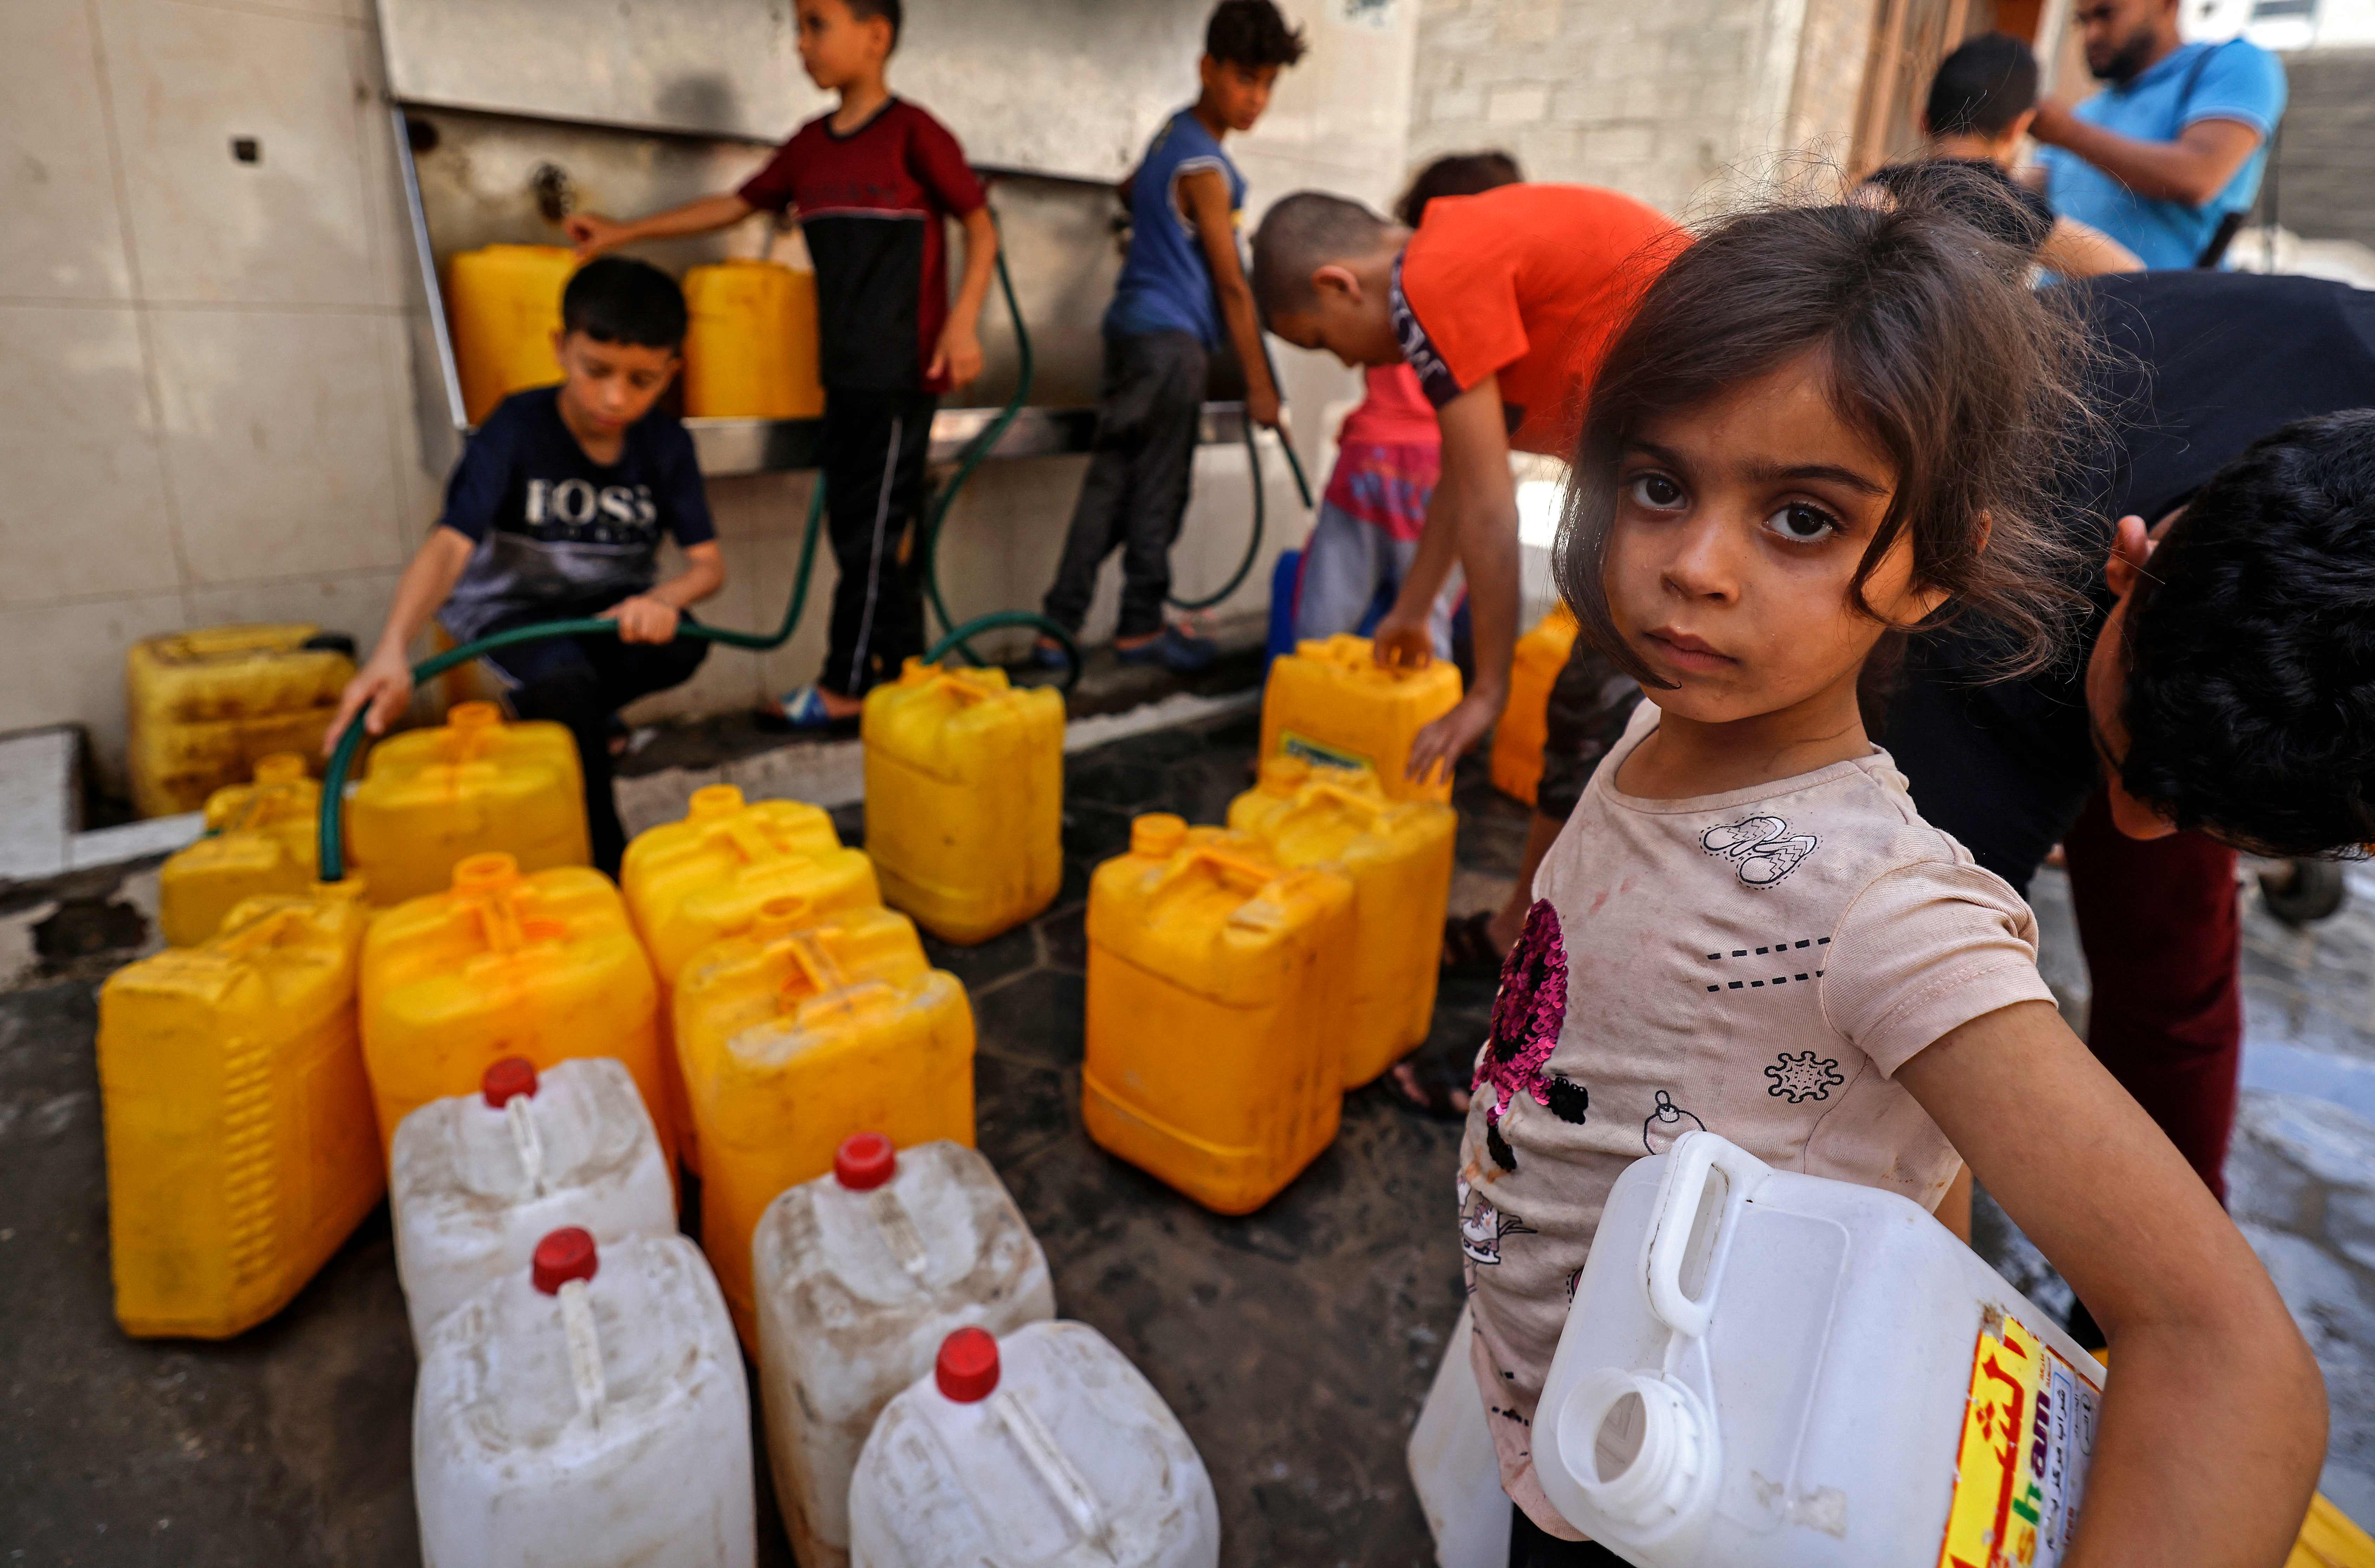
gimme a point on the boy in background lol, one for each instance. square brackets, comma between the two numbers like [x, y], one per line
[1181, 288]
[1389, 455]
[871, 183]
[555, 513]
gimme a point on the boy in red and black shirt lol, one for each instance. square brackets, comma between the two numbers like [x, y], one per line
[870, 184]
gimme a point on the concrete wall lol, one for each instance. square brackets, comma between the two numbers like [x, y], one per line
[1656, 101]
[210, 412]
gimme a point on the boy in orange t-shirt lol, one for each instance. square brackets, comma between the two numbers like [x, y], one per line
[1503, 303]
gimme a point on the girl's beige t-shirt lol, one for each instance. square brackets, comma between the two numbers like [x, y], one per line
[1759, 963]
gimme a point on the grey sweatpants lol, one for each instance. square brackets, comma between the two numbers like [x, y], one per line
[1346, 564]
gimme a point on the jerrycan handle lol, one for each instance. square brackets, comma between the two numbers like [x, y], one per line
[257, 935]
[584, 1342]
[1065, 1485]
[1684, 1233]
[1235, 871]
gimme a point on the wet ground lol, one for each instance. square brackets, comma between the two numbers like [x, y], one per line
[1295, 1344]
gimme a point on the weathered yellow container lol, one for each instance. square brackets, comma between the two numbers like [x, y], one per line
[1517, 739]
[1330, 702]
[691, 882]
[259, 840]
[1218, 980]
[1398, 856]
[503, 306]
[204, 707]
[544, 966]
[798, 1033]
[240, 1146]
[751, 344]
[964, 798]
[473, 785]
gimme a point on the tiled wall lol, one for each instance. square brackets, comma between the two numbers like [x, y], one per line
[210, 410]
[1681, 104]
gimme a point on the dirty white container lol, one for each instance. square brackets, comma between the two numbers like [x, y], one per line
[860, 1276]
[476, 1180]
[1453, 1468]
[1045, 1449]
[1785, 1370]
[587, 1410]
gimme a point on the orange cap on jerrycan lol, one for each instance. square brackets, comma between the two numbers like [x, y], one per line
[544, 967]
[241, 1149]
[1396, 855]
[259, 842]
[475, 784]
[690, 882]
[1218, 980]
[1332, 702]
[798, 1033]
[964, 798]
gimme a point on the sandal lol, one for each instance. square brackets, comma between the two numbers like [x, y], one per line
[804, 712]
[1434, 1088]
[1468, 944]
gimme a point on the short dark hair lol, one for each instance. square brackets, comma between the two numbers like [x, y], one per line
[620, 299]
[1252, 33]
[1928, 343]
[891, 11]
[1980, 88]
[1456, 175]
[1302, 233]
[2249, 649]
[1978, 191]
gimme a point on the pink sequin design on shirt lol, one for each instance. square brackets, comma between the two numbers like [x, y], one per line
[1527, 1016]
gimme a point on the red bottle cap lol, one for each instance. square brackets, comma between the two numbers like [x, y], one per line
[865, 1160]
[565, 1254]
[513, 1075]
[967, 1369]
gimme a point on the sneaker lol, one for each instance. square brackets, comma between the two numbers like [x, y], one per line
[804, 712]
[1181, 653]
[1049, 655]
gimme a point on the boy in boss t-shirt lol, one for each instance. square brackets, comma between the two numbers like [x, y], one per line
[1503, 303]
[871, 183]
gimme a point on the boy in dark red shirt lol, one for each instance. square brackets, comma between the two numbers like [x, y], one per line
[870, 184]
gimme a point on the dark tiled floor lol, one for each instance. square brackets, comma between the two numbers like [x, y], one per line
[1295, 1344]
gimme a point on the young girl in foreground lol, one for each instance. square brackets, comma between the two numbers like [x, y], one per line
[1824, 423]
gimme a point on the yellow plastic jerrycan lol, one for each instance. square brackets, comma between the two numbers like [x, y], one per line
[206, 706]
[241, 1150]
[1330, 702]
[751, 344]
[1398, 855]
[798, 1033]
[691, 882]
[1218, 980]
[964, 798]
[473, 785]
[544, 966]
[1525, 724]
[259, 839]
[502, 305]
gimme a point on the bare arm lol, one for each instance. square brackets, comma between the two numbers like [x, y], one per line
[2193, 169]
[595, 234]
[1473, 516]
[958, 353]
[1206, 197]
[381, 690]
[652, 614]
[2078, 250]
[2213, 1420]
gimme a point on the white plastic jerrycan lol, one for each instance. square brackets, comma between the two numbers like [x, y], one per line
[860, 1276]
[587, 1410]
[1789, 1370]
[1045, 1449]
[476, 1180]
[1453, 1468]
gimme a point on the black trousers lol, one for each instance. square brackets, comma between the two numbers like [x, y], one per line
[580, 682]
[1136, 492]
[1531, 1547]
[875, 444]
[1590, 702]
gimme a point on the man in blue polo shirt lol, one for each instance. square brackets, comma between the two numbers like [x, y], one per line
[2166, 156]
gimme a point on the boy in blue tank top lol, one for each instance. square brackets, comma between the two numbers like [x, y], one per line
[1182, 293]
